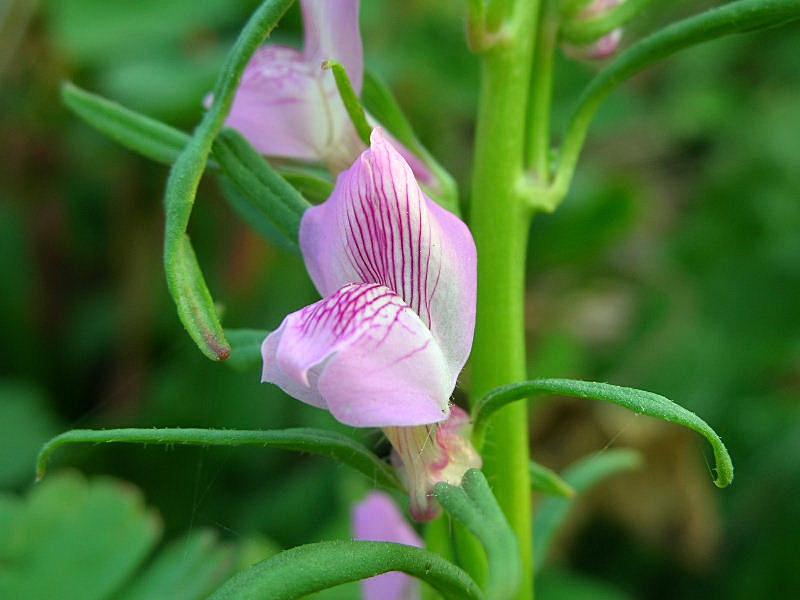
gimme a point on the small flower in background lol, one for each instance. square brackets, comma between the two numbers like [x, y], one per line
[385, 345]
[599, 49]
[377, 519]
[287, 104]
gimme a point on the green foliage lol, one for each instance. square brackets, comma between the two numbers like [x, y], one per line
[260, 195]
[90, 540]
[552, 512]
[315, 441]
[190, 567]
[736, 17]
[272, 199]
[73, 539]
[245, 348]
[707, 271]
[146, 136]
[184, 277]
[25, 423]
[561, 584]
[638, 401]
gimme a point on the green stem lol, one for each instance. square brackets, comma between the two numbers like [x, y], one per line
[500, 223]
[542, 94]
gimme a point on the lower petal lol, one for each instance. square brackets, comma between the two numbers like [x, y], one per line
[363, 354]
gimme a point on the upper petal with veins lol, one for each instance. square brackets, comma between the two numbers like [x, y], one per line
[363, 354]
[281, 105]
[379, 227]
[332, 32]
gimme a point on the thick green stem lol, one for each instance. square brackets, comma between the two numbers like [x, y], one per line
[500, 222]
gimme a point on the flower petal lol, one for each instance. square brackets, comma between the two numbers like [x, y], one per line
[363, 354]
[377, 519]
[379, 227]
[332, 32]
[280, 106]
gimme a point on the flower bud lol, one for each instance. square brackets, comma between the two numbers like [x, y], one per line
[597, 49]
[428, 454]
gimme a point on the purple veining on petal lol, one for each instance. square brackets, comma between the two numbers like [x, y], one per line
[363, 354]
[379, 227]
[377, 519]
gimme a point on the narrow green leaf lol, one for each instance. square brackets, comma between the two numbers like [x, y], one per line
[381, 104]
[581, 476]
[585, 31]
[547, 481]
[269, 194]
[735, 17]
[307, 569]
[263, 198]
[196, 310]
[144, 135]
[314, 441]
[245, 347]
[475, 507]
[640, 402]
[350, 100]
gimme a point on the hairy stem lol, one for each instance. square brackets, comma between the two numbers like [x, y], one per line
[500, 223]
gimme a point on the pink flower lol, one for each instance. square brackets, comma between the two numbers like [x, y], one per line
[397, 273]
[385, 345]
[377, 519]
[288, 106]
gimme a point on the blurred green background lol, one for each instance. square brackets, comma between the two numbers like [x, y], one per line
[674, 266]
